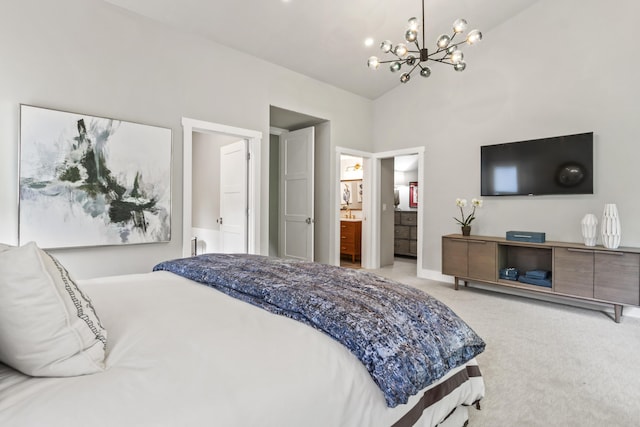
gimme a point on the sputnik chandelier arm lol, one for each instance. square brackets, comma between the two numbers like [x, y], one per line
[447, 51]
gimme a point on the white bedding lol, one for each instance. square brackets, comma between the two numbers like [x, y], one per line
[182, 354]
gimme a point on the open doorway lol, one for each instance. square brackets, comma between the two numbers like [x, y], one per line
[405, 219]
[214, 136]
[353, 172]
[351, 214]
[218, 215]
[284, 124]
[398, 218]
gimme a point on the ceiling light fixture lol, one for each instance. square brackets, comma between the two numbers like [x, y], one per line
[446, 53]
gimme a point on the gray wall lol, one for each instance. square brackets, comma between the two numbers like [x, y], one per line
[274, 194]
[91, 57]
[387, 213]
[323, 208]
[560, 67]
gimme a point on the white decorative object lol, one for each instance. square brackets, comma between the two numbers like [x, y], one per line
[610, 227]
[589, 229]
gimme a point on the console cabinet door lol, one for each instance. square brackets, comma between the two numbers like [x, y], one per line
[617, 277]
[573, 272]
[482, 260]
[454, 257]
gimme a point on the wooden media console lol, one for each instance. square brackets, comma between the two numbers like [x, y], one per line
[597, 274]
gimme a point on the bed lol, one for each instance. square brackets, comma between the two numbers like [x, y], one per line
[182, 354]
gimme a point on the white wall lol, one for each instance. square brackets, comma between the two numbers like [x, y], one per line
[91, 57]
[274, 194]
[560, 67]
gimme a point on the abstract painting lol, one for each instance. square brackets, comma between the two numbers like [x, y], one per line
[91, 181]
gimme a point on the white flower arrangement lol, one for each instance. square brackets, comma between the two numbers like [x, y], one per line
[466, 220]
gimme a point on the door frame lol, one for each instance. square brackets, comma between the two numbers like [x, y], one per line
[366, 257]
[375, 201]
[254, 139]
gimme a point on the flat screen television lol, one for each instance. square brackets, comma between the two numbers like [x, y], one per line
[558, 165]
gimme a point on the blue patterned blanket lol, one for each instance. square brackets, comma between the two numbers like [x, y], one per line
[404, 337]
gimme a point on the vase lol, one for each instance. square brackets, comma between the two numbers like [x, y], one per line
[610, 226]
[466, 230]
[589, 229]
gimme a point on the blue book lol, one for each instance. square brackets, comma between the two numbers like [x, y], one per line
[538, 274]
[538, 282]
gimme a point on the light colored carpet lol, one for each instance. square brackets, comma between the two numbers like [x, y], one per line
[546, 364]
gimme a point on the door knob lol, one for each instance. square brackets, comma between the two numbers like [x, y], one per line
[308, 220]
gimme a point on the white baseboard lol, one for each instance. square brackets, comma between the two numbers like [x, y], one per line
[439, 277]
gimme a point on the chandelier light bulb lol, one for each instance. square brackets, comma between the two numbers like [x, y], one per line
[459, 25]
[474, 37]
[395, 66]
[425, 72]
[405, 77]
[386, 46]
[452, 49]
[411, 60]
[457, 56]
[443, 41]
[373, 62]
[400, 50]
[414, 23]
[460, 66]
[411, 35]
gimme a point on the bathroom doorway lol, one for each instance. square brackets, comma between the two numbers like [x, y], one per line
[351, 216]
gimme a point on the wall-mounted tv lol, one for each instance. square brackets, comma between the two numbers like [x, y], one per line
[558, 165]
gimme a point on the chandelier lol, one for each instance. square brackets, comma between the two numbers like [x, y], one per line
[447, 51]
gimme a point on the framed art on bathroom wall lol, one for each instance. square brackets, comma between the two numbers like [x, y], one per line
[413, 194]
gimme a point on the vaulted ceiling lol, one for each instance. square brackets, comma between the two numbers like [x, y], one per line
[324, 39]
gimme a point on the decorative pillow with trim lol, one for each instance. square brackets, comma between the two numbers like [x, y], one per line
[48, 327]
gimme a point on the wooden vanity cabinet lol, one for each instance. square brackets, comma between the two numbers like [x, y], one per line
[351, 239]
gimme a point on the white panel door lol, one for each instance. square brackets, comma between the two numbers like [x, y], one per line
[296, 194]
[233, 197]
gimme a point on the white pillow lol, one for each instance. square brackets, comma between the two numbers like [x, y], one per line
[48, 327]
[4, 247]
